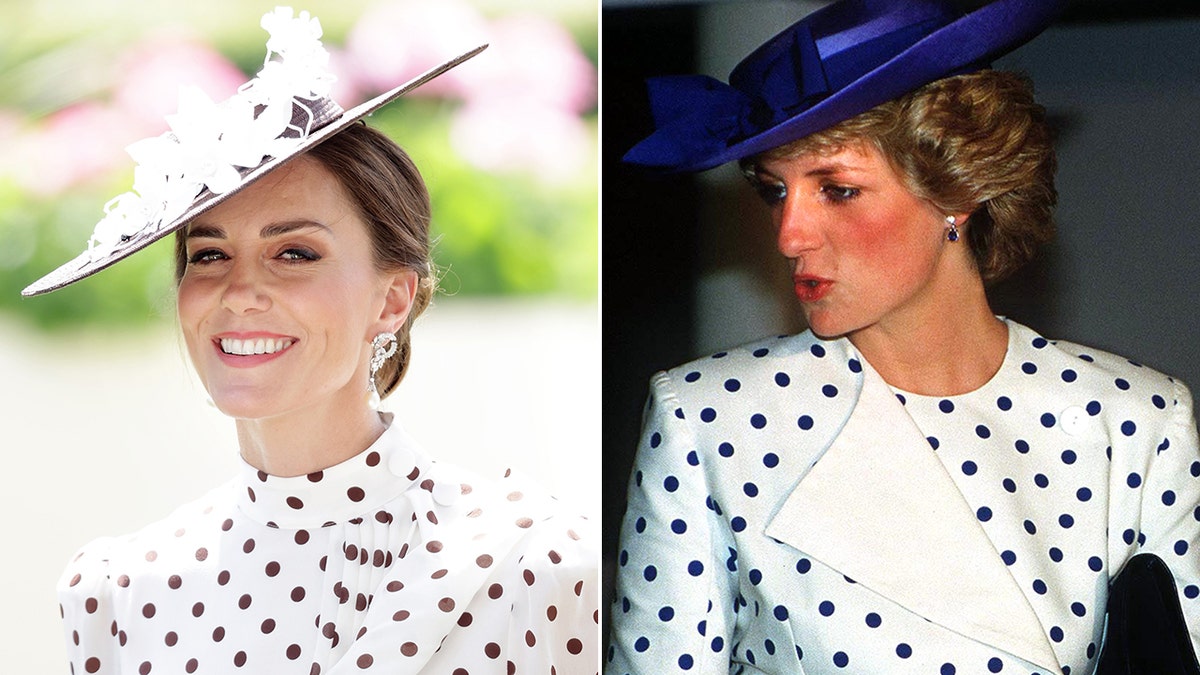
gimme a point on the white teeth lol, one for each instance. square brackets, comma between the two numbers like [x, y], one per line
[259, 346]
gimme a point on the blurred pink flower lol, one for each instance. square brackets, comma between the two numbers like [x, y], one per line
[153, 71]
[534, 59]
[515, 135]
[396, 40]
[73, 145]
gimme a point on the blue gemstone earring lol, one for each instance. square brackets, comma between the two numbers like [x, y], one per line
[952, 230]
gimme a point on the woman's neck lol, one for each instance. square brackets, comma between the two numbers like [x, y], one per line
[953, 347]
[305, 441]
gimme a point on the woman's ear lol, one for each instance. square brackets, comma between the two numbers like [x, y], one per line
[398, 299]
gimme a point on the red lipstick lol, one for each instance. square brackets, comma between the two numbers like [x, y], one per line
[810, 288]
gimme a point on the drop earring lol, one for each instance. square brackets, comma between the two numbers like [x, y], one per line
[952, 229]
[385, 345]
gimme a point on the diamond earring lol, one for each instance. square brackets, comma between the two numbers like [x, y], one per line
[385, 345]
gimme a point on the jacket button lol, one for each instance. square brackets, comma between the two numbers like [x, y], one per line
[1071, 420]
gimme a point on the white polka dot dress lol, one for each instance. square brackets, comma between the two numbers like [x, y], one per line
[791, 513]
[385, 563]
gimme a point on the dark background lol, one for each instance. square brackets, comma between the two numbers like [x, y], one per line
[689, 267]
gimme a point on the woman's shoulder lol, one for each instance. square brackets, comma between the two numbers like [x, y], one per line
[1074, 360]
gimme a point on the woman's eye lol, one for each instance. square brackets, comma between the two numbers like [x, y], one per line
[204, 256]
[770, 192]
[299, 254]
[839, 193]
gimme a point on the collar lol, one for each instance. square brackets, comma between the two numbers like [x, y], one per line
[906, 532]
[359, 485]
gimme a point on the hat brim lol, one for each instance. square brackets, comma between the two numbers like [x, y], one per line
[969, 42]
[89, 263]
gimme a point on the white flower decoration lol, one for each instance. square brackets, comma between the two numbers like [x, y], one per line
[209, 142]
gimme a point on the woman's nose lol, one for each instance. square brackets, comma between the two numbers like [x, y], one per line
[245, 290]
[798, 229]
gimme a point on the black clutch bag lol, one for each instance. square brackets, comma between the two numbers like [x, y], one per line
[1146, 633]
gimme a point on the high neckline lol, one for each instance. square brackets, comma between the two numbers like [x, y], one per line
[343, 492]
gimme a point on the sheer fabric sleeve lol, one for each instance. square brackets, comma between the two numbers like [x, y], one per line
[673, 607]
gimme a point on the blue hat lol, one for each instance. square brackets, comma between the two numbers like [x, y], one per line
[833, 64]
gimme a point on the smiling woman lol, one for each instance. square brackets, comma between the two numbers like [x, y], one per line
[341, 543]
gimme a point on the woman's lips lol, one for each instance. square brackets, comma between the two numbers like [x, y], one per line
[244, 350]
[811, 289]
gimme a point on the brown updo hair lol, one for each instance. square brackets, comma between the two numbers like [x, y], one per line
[975, 143]
[386, 187]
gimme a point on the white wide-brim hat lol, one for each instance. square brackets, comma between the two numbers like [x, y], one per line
[215, 150]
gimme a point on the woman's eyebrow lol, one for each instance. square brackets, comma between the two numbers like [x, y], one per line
[205, 231]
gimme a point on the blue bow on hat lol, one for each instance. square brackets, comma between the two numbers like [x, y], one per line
[831, 65]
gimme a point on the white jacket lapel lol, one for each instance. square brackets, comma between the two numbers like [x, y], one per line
[880, 508]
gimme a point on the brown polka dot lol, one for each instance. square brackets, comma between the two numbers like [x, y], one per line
[75, 579]
[171, 638]
[572, 534]
[301, 537]
[492, 650]
[554, 557]
[328, 630]
[512, 668]
[174, 581]
[227, 525]
[322, 562]
[297, 594]
[514, 496]
[438, 574]
[377, 558]
[408, 648]
[239, 659]
[574, 645]
[495, 591]
[446, 604]
[529, 638]
[92, 665]
[465, 489]
[356, 494]
[268, 626]
[383, 517]
[201, 554]
[123, 581]
[250, 493]
[373, 458]
[431, 517]
[295, 503]
[427, 485]
[465, 619]
[365, 660]
[248, 546]
[394, 586]
[528, 575]
[484, 561]
[293, 652]
[433, 546]
[245, 600]
[262, 476]
[316, 476]
[151, 556]
[144, 668]
[315, 670]
[474, 513]
[579, 587]
[524, 523]
[198, 609]
[91, 605]
[113, 628]
[191, 665]
[272, 569]
[218, 634]
[223, 577]
[360, 603]
[122, 638]
[148, 610]
[75, 637]
[551, 612]
[460, 671]
[403, 551]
